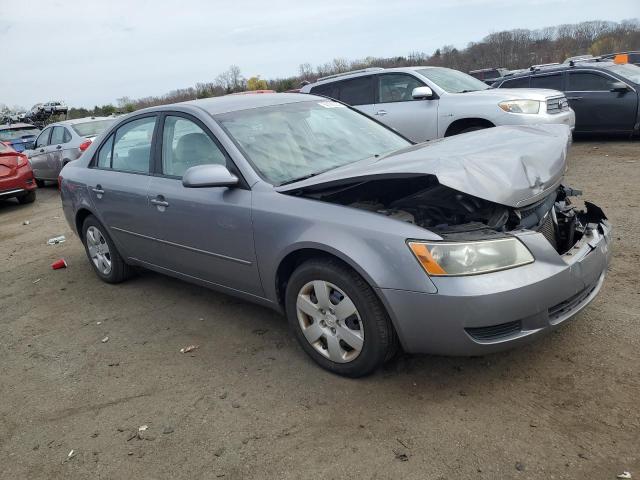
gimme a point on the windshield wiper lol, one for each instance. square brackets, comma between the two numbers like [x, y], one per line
[467, 91]
[299, 179]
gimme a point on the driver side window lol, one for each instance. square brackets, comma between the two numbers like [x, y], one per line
[396, 87]
[43, 139]
[185, 145]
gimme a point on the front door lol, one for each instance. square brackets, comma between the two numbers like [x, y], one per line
[38, 157]
[118, 181]
[395, 106]
[202, 233]
[597, 108]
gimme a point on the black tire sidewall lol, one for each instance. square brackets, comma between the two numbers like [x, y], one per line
[373, 317]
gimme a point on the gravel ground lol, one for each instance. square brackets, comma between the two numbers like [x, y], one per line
[249, 404]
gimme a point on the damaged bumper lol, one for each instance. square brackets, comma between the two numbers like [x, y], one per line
[475, 315]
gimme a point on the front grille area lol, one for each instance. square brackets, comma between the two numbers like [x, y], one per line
[495, 332]
[570, 303]
[548, 229]
[557, 105]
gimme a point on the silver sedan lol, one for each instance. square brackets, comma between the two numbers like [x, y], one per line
[61, 143]
[365, 241]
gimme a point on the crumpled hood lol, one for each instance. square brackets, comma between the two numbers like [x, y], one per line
[510, 165]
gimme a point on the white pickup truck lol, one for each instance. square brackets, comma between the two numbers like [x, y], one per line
[423, 103]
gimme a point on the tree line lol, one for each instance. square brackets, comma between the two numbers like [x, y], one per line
[512, 49]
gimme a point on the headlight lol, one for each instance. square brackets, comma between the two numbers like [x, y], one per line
[520, 106]
[470, 258]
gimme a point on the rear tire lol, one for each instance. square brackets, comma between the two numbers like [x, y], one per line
[352, 346]
[28, 198]
[102, 253]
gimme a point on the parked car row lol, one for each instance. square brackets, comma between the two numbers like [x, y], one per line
[424, 103]
[16, 176]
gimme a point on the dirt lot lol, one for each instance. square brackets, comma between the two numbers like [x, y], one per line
[249, 404]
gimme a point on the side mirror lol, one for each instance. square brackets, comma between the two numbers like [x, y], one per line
[212, 175]
[422, 93]
[619, 87]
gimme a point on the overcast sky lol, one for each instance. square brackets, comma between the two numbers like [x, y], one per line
[92, 52]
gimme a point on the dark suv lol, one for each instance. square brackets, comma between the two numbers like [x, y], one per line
[604, 95]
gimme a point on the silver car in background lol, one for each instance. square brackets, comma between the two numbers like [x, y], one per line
[367, 242]
[423, 103]
[61, 143]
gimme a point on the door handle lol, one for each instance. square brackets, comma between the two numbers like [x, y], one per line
[381, 112]
[42, 150]
[160, 203]
[98, 191]
[58, 147]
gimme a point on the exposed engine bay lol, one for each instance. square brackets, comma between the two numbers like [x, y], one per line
[453, 214]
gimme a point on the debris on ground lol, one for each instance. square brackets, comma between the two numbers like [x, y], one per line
[219, 451]
[36, 280]
[260, 331]
[167, 430]
[190, 348]
[56, 240]
[26, 222]
[105, 340]
[98, 323]
[143, 428]
[401, 454]
[625, 475]
[72, 454]
[223, 395]
[58, 264]
[520, 466]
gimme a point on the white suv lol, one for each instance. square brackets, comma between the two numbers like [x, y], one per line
[423, 103]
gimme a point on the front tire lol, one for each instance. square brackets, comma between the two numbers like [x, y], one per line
[28, 198]
[338, 319]
[102, 252]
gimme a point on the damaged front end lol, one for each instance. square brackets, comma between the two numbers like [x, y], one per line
[458, 216]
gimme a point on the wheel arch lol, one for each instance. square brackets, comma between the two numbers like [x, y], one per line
[460, 124]
[301, 253]
[81, 216]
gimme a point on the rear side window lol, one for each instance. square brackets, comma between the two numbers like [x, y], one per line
[132, 145]
[589, 82]
[357, 91]
[522, 82]
[328, 90]
[554, 82]
[105, 153]
[67, 136]
[57, 137]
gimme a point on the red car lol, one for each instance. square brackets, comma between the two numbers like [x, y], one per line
[16, 176]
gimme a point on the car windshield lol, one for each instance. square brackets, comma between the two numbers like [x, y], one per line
[10, 134]
[91, 129]
[628, 71]
[293, 141]
[452, 81]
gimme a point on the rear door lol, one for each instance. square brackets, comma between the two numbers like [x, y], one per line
[597, 108]
[203, 233]
[38, 157]
[395, 107]
[359, 92]
[118, 181]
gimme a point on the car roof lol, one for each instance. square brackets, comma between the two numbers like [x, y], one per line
[369, 71]
[76, 121]
[17, 125]
[233, 103]
[592, 65]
